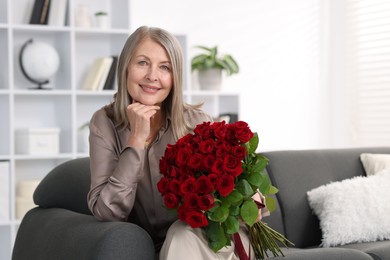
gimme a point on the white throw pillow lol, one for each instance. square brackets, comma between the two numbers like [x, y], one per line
[353, 210]
[374, 163]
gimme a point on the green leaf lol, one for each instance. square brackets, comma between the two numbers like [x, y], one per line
[273, 190]
[234, 210]
[270, 202]
[261, 163]
[265, 183]
[220, 214]
[255, 179]
[211, 59]
[216, 236]
[252, 144]
[232, 225]
[249, 212]
[231, 63]
[234, 198]
[244, 187]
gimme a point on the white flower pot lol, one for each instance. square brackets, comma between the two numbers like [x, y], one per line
[210, 79]
[102, 21]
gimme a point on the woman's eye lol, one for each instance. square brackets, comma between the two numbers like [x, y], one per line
[142, 62]
[165, 67]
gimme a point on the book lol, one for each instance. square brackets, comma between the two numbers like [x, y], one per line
[4, 191]
[37, 11]
[95, 73]
[106, 71]
[110, 82]
[57, 12]
[45, 12]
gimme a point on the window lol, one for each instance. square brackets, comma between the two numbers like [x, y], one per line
[368, 70]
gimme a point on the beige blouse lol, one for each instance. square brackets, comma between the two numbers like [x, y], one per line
[124, 179]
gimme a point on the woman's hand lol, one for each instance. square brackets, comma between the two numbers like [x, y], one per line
[139, 116]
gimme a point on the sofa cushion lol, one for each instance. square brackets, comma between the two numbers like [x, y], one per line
[374, 163]
[353, 210]
[322, 254]
[377, 250]
[296, 172]
[66, 186]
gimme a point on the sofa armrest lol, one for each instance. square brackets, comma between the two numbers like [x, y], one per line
[57, 233]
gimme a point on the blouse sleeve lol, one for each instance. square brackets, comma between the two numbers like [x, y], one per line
[114, 172]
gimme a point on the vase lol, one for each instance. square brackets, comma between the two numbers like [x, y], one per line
[83, 18]
[210, 79]
[102, 21]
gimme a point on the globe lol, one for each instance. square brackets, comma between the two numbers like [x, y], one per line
[39, 62]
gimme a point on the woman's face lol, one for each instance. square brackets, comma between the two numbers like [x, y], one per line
[149, 74]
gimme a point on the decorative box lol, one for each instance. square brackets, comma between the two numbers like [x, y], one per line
[37, 141]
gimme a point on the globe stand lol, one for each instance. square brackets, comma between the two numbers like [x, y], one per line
[40, 83]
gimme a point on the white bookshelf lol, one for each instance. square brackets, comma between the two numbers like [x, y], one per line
[64, 105]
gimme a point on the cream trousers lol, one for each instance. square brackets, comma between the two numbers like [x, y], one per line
[184, 242]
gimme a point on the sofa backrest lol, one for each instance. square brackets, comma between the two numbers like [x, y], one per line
[66, 186]
[296, 172]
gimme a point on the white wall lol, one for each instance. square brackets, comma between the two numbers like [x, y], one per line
[281, 47]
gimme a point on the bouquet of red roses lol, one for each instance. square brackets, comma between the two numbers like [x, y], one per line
[210, 176]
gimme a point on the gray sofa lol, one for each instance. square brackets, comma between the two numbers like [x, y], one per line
[295, 173]
[62, 227]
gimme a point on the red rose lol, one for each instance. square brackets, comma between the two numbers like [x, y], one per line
[232, 165]
[219, 129]
[171, 201]
[203, 185]
[163, 166]
[239, 152]
[181, 213]
[204, 130]
[243, 133]
[213, 179]
[190, 201]
[196, 219]
[170, 153]
[173, 172]
[208, 162]
[217, 166]
[184, 140]
[188, 186]
[182, 156]
[174, 186]
[195, 161]
[231, 135]
[184, 171]
[206, 202]
[240, 125]
[206, 146]
[222, 149]
[216, 125]
[225, 185]
[163, 186]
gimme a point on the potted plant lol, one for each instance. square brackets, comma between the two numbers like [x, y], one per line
[210, 66]
[101, 19]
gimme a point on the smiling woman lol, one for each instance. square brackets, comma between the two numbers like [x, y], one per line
[150, 76]
[129, 136]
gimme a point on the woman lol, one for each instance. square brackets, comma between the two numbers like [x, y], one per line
[129, 136]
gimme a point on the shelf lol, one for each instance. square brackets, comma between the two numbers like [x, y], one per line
[63, 104]
[42, 92]
[20, 157]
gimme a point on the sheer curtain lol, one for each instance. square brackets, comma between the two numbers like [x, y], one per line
[368, 70]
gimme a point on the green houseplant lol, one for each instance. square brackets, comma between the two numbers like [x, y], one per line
[102, 19]
[210, 65]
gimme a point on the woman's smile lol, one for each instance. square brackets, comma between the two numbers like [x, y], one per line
[150, 89]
